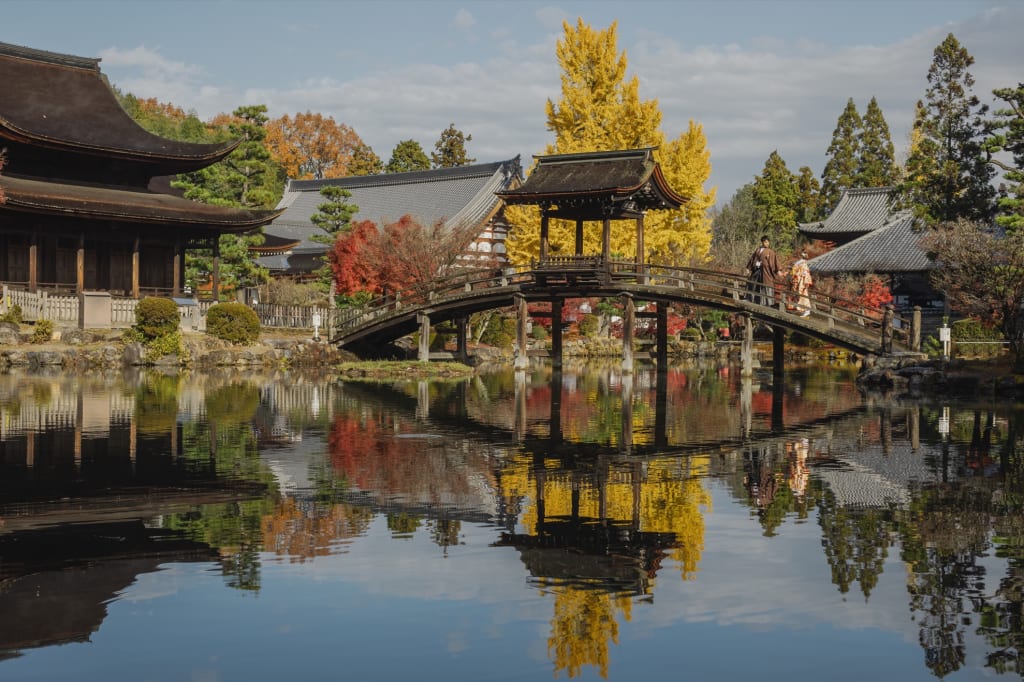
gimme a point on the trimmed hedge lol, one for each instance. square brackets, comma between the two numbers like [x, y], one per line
[233, 322]
[156, 317]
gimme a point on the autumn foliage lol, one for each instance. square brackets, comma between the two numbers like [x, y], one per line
[312, 146]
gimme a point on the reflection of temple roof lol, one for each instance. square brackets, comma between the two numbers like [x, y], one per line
[44, 603]
[870, 477]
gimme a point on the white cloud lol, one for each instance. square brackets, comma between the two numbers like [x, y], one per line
[464, 20]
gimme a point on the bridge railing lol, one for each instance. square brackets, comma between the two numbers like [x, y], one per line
[712, 286]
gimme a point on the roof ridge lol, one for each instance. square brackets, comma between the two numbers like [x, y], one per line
[406, 178]
[59, 58]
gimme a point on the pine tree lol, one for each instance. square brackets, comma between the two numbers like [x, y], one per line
[877, 163]
[450, 149]
[777, 200]
[843, 157]
[809, 207]
[947, 176]
[334, 217]
[407, 156]
[599, 110]
[1008, 136]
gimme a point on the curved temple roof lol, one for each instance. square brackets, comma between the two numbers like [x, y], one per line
[63, 102]
[119, 204]
[595, 185]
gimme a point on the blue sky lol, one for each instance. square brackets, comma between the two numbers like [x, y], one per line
[758, 75]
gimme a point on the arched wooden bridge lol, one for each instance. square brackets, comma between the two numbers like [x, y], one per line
[835, 321]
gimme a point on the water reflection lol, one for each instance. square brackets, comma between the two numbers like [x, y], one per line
[614, 493]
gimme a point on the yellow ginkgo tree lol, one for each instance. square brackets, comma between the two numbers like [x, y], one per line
[600, 110]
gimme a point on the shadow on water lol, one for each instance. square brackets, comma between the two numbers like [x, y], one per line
[600, 483]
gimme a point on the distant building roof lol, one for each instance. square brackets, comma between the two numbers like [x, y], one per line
[464, 195]
[893, 247]
[859, 211]
[595, 185]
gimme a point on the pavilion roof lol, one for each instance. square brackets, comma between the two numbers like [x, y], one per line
[97, 202]
[65, 103]
[596, 185]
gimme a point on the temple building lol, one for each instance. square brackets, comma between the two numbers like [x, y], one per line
[461, 198]
[87, 200]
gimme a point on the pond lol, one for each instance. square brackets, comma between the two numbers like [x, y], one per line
[581, 523]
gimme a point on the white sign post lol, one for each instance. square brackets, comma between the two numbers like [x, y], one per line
[316, 325]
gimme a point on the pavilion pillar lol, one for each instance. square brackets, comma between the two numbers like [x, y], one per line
[80, 264]
[520, 361]
[579, 237]
[640, 251]
[424, 346]
[176, 277]
[216, 269]
[747, 347]
[543, 235]
[606, 241]
[662, 335]
[33, 262]
[778, 352]
[628, 322]
[135, 267]
[556, 332]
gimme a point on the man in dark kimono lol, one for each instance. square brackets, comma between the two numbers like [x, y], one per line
[763, 268]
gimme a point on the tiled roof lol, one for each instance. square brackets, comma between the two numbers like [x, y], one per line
[893, 247]
[464, 195]
[858, 211]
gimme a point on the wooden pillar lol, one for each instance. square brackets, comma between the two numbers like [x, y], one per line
[556, 332]
[543, 235]
[33, 261]
[662, 336]
[915, 330]
[661, 408]
[778, 352]
[555, 421]
[461, 334]
[520, 361]
[80, 264]
[747, 347]
[520, 402]
[424, 345]
[579, 237]
[640, 252]
[216, 269]
[606, 240]
[628, 322]
[135, 267]
[176, 277]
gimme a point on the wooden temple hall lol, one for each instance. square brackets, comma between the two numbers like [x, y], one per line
[87, 203]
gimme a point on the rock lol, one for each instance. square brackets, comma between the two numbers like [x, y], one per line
[134, 355]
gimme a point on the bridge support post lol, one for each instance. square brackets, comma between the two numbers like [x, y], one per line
[461, 327]
[628, 322]
[556, 332]
[662, 336]
[520, 361]
[747, 347]
[887, 322]
[424, 346]
[627, 415]
[778, 353]
[915, 330]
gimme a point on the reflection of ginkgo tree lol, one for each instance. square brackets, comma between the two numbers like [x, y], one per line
[583, 626]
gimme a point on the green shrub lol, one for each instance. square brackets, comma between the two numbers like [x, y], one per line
[539, 332]
[690, 334]
[500, 332]
[156, 317]
[965, 331]
[43, 331]
[588, 325]
[12, 315]
[234, 323]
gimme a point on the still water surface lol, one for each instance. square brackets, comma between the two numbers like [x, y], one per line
[581, 524]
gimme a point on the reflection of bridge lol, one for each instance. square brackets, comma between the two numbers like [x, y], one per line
[835, 321]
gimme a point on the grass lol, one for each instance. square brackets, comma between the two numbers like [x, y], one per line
[403, 369]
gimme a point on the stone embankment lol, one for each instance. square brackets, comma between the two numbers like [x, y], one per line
[74, 349]
[915, 378]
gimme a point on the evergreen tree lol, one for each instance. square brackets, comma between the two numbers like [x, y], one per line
[777, 200]
[947, 176]
[843, 157]
[877, 162]
[334, 217]
[809, 208]
[365, 161]
[1008, 136]
[599, 110]
[408, 155]
[450, 149]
